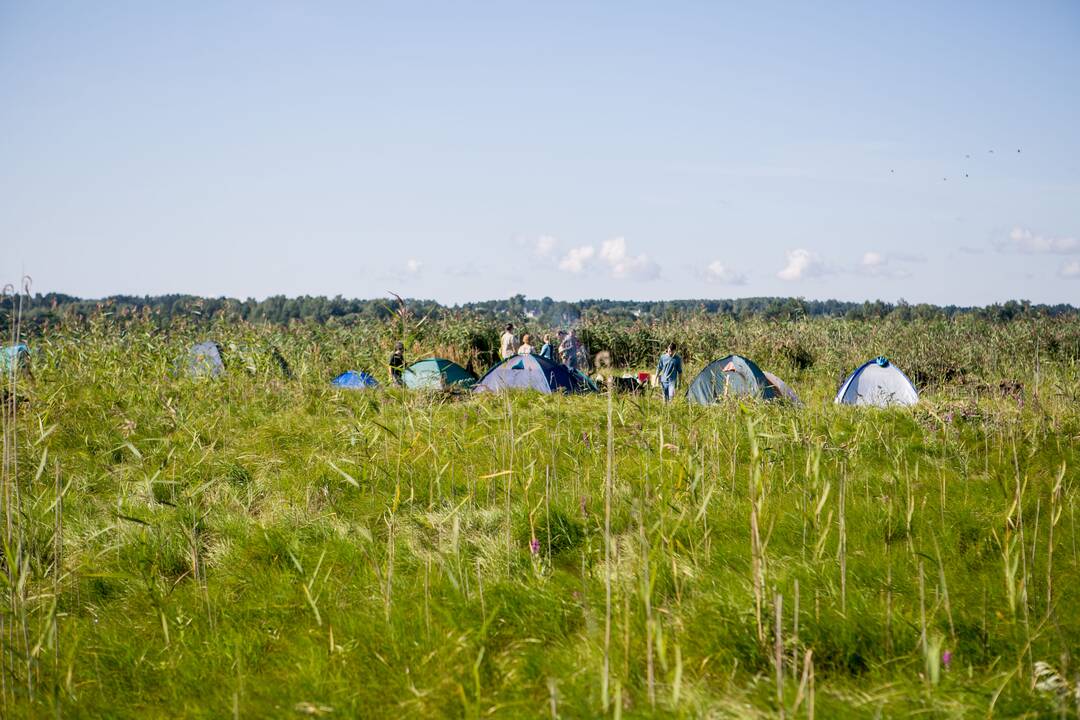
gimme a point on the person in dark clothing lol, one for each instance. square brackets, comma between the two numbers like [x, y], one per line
[397, 364]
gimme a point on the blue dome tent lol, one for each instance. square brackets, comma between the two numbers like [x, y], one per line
[878, 383]
[353, 380]
[532, 372]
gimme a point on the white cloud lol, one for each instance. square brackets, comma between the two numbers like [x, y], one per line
[1070, 269]
[802, 264]
[623, 265]
[413, 266]
[544, 246]
[873, 259]
[1025, 241]
[577, 259]
[878, 265]
[613, 258]
[718, 272]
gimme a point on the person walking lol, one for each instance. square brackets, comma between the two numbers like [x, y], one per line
[526, 347]
[668, 371]
[397, 364]
[508, 343]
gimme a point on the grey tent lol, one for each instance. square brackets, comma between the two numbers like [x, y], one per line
[878, 383]
[782, 387]
[204, 359]
[731, 376]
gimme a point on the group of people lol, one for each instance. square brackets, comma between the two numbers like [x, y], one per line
[567, 350]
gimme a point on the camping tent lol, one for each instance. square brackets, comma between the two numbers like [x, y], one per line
[532, 372]
[205, 359]
[14, 357]
[353, 380]
[878, 383]
[782, 387]
[437, 374]
[731, 376]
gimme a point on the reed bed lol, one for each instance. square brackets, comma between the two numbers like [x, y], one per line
[262, 545]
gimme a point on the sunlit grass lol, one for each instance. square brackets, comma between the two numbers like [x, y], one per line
[255, 546]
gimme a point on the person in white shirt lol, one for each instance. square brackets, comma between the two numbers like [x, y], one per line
[508, 343]
[526, 345]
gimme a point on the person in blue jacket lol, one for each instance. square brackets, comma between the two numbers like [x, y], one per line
[668, 371]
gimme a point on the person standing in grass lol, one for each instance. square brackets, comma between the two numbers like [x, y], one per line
[668, 371]
[526, 347]
[508, 343]
[397, 364]
[568, 350]
[547, 351]
[557, 350]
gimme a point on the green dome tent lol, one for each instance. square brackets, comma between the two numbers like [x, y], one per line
[437, 374]
[732, 376]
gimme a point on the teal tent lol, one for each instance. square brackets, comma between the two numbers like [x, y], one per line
[731, 376]
[437, 374]
[14, 357]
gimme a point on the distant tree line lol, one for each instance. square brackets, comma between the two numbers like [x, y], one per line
[41, 310]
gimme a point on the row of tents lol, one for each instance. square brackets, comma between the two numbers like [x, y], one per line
[878, 382]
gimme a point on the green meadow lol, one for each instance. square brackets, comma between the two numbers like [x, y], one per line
[264, 545]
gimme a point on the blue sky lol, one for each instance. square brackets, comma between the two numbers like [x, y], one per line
[465, 151]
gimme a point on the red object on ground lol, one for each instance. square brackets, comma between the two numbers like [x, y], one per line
[643, 378]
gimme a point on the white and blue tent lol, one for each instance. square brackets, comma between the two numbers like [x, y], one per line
[204, 359]
[878, 383]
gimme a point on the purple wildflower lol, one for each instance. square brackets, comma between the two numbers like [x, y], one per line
[946, 658]
[585, 439]
[584, 509]
[534, 546]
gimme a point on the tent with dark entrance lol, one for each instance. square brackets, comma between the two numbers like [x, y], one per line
[878, 383]
[14, 358]
[353, 380]
[437, 374]
[205, 360]
[736, 376]
[532, 372]
[782, 387]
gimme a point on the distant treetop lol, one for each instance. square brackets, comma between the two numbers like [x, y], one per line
[43, 308]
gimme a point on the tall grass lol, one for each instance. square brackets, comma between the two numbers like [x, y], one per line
[256, 545]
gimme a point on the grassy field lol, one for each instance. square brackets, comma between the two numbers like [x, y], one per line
[262, 546]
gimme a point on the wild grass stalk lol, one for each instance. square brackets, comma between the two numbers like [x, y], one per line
[608, 489]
